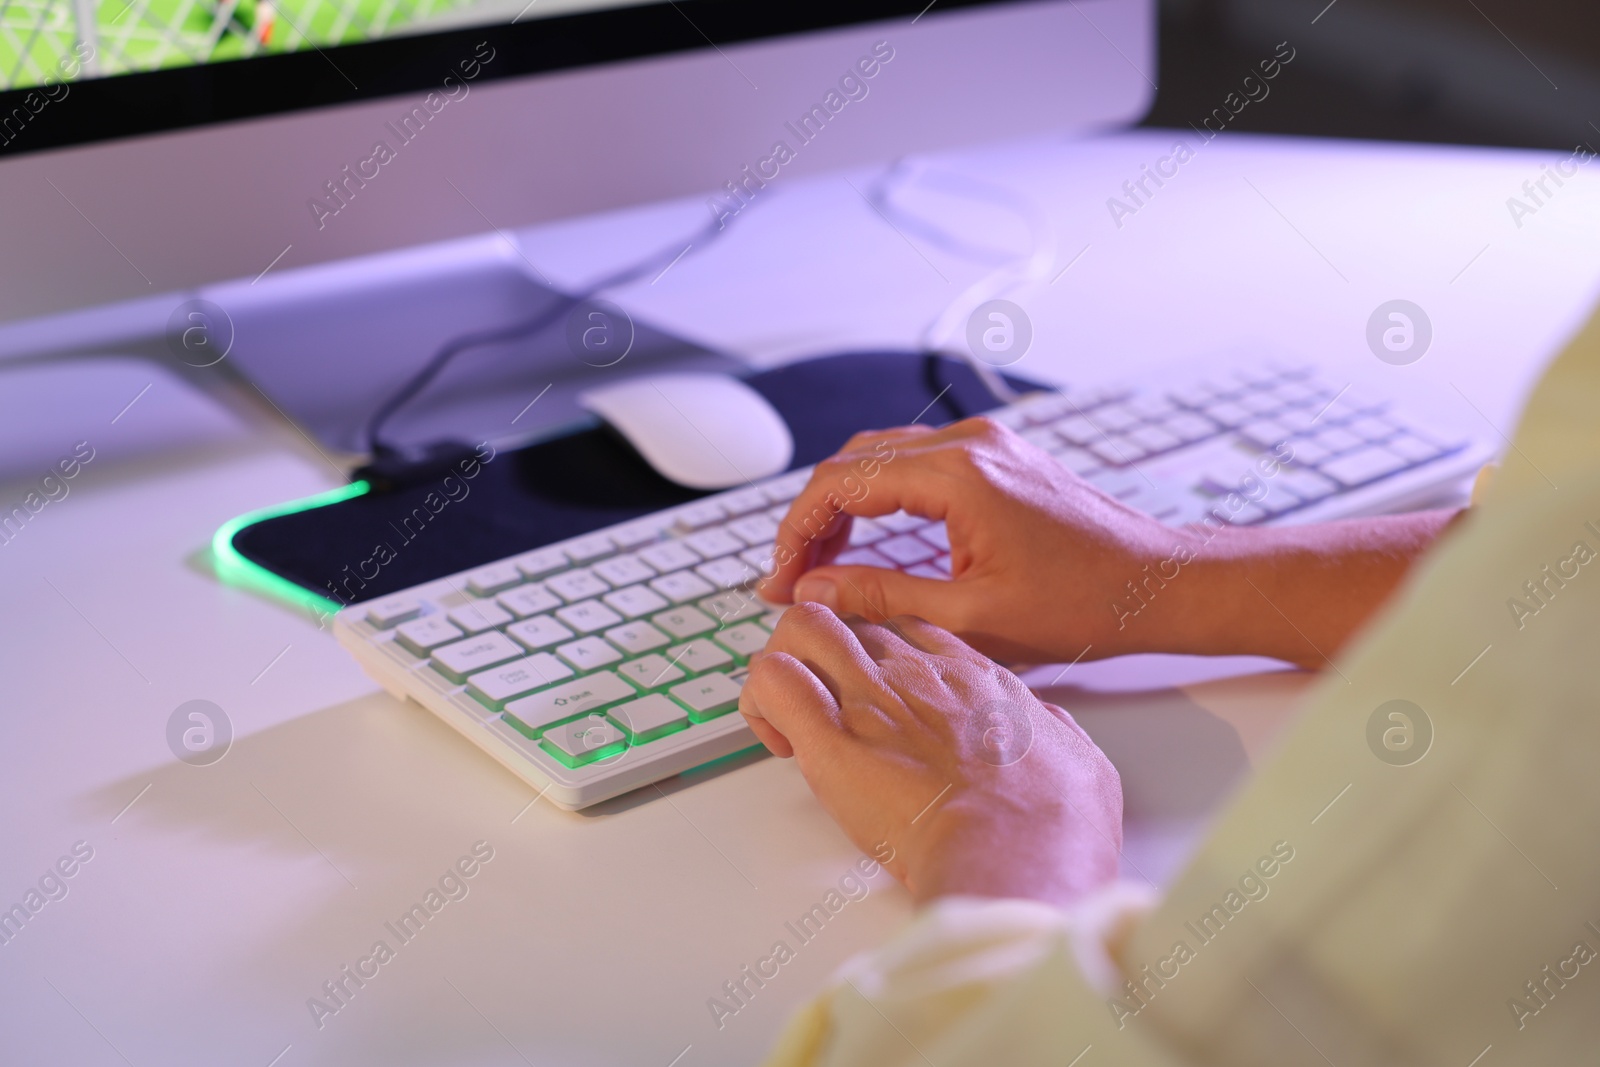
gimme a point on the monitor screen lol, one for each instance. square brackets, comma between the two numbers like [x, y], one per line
[73, 71]
[43, 42]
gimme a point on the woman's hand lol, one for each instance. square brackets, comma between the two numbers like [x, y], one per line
[1039, 557]
[1047, 568]
[936, 760]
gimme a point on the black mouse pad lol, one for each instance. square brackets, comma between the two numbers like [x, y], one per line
[381, 542]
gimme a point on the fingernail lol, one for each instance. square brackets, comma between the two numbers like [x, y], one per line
[817, 591]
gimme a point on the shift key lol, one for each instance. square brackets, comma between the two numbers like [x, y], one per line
[532, 714]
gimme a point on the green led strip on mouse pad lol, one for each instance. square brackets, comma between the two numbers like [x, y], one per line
[234, 569]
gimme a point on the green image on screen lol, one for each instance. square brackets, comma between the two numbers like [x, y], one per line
[43, 42]
[46, 41]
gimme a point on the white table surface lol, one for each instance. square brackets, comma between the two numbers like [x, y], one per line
[224, 896]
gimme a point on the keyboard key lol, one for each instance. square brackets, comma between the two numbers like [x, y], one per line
[770, 619]
[589, 653]
[1116, 451]
[1228, 413]
[1189, 426]
[729, 572]
[529, 600]
[1337, 439]
[906, 549]
[743, 640]
[422, 636]
[669, 556]
[634, 601]
[713, 543]
[1297, 393]
[1042, 407]
[754, 530]
[784, 489]
[584, 741]
[634, 534]
[588, 616]
[539, 633]
[702, 513]
[637, 638]
[589, 548]
[1306, 484]
[759, 558]
[625, 570]
[648, 718]
[479, 615]
[457, 661]
[1372, 428]
[1079, 461]
[863, 557]
[577, 585]
[708, 696]
[495, 686]
[1367, 465]
[544, 561]
[1079, 430]
[569, 699]
[1115, 418]
[1044, 438]
[1259, 403]
[728, 608]
[1150, 407]
[697, 657]
[651, 672]
[392, 611]
[1307, 451]
[744, 501]
[684, 622]
[682, 586]
[487, 581]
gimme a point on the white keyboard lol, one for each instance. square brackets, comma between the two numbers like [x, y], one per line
[601, 664]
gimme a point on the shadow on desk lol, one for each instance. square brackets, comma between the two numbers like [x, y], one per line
[1182, 753]
[249, 885]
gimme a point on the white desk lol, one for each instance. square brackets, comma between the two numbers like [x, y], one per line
[226, 895]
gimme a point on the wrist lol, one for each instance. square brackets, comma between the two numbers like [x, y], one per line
[1052, 857]
[1169, 600]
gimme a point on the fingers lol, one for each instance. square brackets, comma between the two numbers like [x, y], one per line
[787, 706]
[825, 645]
[867, 439]
[927, 637]
[872, 482]
[878, 593]
[912, 469]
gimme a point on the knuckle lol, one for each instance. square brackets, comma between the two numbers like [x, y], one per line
[803, 616]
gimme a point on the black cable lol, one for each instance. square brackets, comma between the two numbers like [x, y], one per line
[413, 386]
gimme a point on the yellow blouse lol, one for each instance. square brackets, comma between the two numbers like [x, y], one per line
[1414, 878]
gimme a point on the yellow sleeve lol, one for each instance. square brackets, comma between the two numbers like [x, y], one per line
[1411, 880]
[978, 982]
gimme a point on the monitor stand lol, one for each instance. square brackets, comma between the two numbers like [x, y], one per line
[326, 345]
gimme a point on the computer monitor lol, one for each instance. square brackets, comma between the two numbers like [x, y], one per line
[154, 146]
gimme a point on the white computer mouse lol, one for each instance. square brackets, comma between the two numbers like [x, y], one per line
[701, 430]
